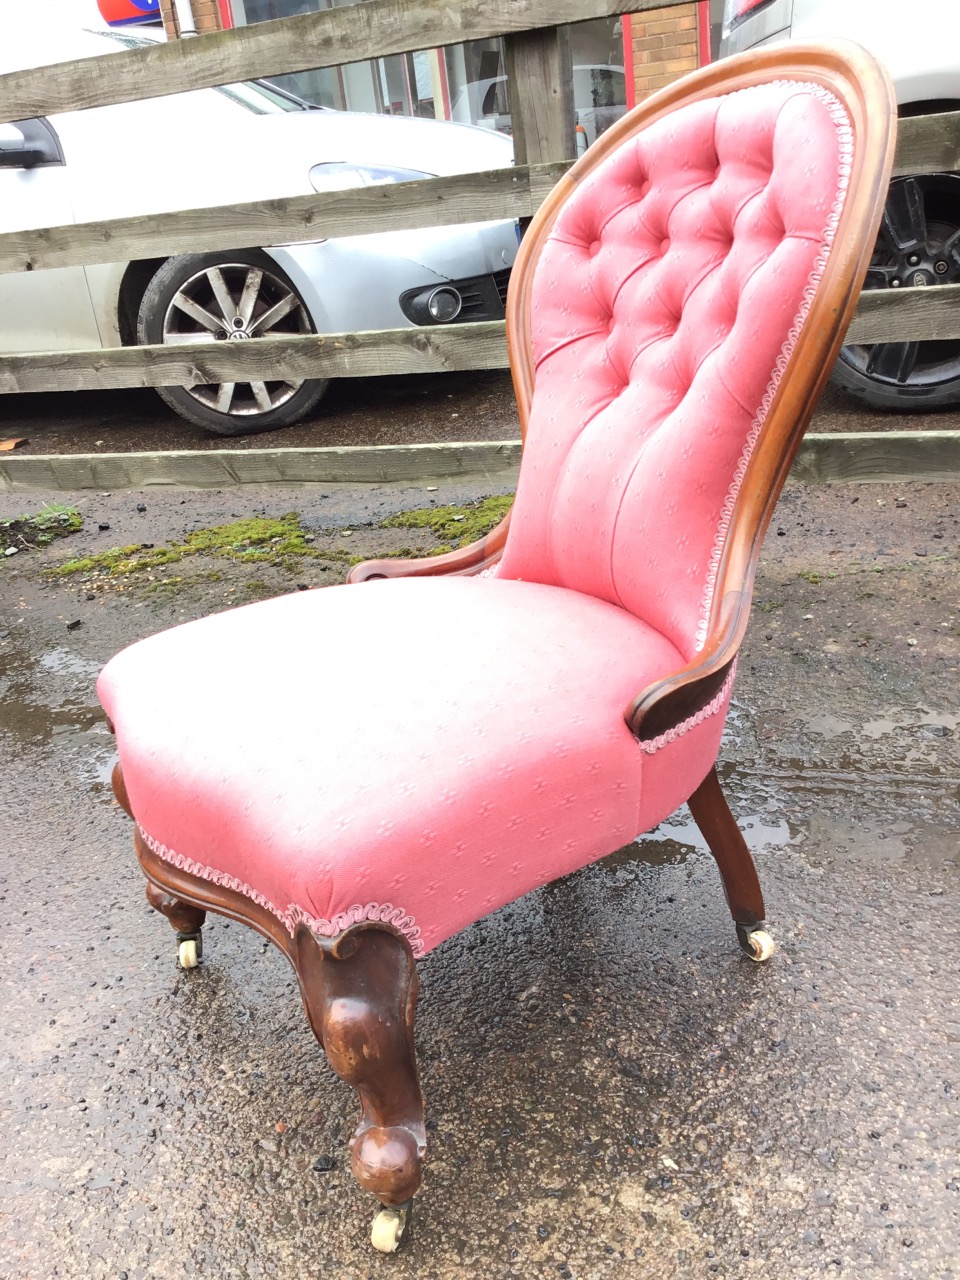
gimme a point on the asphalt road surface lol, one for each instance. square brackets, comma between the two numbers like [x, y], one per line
[612, 1089]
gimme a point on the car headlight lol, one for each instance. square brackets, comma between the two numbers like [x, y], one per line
[337, 175]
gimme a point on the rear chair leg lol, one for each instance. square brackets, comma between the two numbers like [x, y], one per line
[740, 882]
[360, 991]
[186, 919]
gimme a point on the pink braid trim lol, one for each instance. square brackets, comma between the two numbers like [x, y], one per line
[652, 745]
[381, 913]
[845, 147]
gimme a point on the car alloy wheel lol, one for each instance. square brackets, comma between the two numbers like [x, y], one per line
[918, 245]
[229, 298]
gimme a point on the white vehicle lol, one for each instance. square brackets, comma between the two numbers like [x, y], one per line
[223, 146]
[599, 99]
[919, 242]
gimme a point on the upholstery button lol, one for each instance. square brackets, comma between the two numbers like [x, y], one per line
[594, 248]
[664, 245]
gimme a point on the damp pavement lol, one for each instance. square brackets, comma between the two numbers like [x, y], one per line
[612, 1088]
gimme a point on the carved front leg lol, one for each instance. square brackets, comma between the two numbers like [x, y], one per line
[360, 992]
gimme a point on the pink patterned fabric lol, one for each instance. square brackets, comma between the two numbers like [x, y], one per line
[415, 743]
[422, 751]
[665, 305]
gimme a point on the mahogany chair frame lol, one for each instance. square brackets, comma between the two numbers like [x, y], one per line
[359, 989]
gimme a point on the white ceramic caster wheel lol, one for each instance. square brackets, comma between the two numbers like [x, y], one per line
[762, 946]
[388, 1228]
[187, 953]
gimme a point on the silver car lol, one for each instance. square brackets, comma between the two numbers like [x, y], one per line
[223, 146]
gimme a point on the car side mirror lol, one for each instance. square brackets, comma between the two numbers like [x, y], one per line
[23, 157]
[25, 144]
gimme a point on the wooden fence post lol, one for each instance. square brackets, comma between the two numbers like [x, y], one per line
[540, 76]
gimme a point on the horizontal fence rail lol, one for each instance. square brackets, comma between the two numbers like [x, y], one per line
[401, 206]
[472, 197]
[903, 316]
[431, 349]
[863, 457]
[351, 33]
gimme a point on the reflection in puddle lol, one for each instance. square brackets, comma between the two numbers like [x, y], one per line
[48, 701]
[674, 840]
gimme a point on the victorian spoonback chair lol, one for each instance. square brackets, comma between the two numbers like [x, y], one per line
[675, 309]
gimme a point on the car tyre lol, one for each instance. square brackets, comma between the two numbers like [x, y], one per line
[918, 244]
[226, 297]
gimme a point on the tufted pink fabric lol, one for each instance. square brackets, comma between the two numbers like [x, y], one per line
[424, 750]
[660, 308]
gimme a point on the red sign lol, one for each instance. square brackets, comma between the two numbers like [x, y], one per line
[121, 13]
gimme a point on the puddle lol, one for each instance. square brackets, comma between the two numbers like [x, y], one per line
[48, 702]
[66, 662]
[672, 843]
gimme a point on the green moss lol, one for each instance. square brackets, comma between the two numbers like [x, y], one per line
[453, 525]
[274, 541]
[54, 521]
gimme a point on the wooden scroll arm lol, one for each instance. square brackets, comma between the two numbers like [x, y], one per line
[475, 557]
[670, 701]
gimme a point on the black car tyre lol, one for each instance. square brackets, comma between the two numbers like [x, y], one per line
[918, 245]
[229, 297]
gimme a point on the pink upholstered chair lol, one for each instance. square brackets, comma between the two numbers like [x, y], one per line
[675, 310]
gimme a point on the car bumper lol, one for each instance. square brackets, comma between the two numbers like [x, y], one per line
[355, 283]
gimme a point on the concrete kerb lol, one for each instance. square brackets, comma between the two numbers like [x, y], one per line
[882, 456]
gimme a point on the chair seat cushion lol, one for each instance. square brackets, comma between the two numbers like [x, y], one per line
[418, 751]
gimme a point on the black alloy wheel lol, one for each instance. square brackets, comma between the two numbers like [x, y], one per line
[918, 246]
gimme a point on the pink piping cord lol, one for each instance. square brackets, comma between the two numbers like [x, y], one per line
[379, 913]
[652, 745]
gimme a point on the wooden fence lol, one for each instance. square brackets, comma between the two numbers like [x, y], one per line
[542, 115]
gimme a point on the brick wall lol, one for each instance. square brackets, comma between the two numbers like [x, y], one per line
[664, 46]
[206, 16]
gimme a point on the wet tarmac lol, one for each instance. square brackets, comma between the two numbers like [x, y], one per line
[612, 1089]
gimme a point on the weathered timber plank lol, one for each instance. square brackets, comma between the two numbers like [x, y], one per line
[906, 315]
[337, 355]
[867, 457]
[352, 33]
[229, 468]
[433, 202]
[878, 456]
[882, 316]
[542, 111]
[928, 144]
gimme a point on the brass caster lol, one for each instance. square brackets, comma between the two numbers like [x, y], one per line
[389, 1226]
[189, 950]
[756, 943]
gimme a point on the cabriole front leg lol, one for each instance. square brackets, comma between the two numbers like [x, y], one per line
[360, 991]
